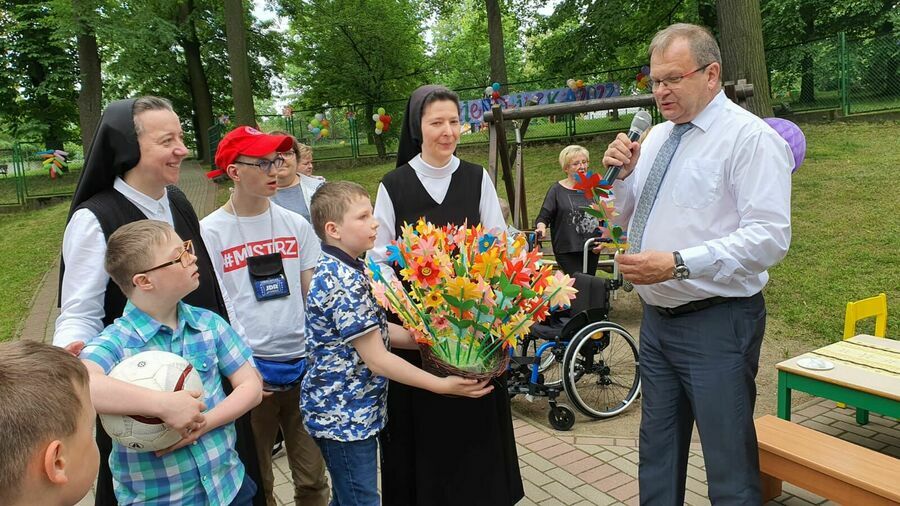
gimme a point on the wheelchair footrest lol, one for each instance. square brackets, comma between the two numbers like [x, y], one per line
[523, 360]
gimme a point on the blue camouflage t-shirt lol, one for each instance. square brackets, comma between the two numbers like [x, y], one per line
[341, 398]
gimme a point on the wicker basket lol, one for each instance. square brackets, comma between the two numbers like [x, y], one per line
[438, 367]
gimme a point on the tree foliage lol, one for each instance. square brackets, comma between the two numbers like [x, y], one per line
[583, 36]
[351, 51]
[462, 47]
[37, 74]
[345, 51]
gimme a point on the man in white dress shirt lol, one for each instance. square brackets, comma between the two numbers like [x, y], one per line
[706, 197]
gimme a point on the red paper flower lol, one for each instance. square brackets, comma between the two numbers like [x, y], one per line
[586, 183]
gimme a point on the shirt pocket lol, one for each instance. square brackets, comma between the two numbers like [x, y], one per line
[699, 184]
[202, 356]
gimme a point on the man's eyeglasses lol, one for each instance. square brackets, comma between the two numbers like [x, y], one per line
[266, 166]
[672, 81]
[184, 258]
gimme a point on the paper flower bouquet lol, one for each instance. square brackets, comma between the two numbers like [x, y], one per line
[467, 295]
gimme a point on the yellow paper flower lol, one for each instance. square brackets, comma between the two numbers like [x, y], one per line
[487, 263]
[433, 299]
[463, 288]
[424, 227]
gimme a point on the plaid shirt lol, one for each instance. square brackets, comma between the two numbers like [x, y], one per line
[208, 472]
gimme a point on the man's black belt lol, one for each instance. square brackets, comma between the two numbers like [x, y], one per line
[693, 306]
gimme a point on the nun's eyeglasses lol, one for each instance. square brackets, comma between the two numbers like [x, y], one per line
[266, 166]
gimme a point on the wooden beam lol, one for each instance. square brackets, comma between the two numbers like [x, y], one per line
[492, 154]
[742, 91]
[503, 152]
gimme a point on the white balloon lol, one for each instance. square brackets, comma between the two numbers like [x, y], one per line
[375, 117]
[378, 131]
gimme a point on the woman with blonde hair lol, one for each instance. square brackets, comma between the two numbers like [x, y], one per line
[563, 213]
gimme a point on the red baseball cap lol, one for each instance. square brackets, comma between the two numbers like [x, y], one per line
[248, 141]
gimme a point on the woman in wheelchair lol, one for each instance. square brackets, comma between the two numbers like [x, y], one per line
[594, 361]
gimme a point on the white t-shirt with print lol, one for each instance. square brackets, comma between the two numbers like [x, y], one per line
[275, 328]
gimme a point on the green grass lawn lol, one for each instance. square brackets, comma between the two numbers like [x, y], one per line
[38, 183]
[846, 229]
[31, 243]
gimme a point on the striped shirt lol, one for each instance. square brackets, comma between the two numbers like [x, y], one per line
[208, 472]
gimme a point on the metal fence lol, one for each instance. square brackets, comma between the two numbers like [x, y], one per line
[23, 176]
[853, 76]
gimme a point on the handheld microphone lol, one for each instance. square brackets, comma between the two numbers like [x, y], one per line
[640, 123]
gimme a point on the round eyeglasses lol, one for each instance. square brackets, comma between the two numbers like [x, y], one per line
[266, 166]
[184, 258]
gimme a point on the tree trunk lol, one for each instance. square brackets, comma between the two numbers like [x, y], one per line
[743, 57]
[377, 140]
[199, 86]
[807, 73]
[241, 89]
[91, 94]
[495, 38]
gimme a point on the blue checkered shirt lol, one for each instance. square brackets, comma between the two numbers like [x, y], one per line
[208, 472]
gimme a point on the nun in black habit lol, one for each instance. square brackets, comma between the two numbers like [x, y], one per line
[440, 450]
[114, 152]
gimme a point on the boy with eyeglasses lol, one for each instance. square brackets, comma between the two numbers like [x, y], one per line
[155, 269]
[265, 256]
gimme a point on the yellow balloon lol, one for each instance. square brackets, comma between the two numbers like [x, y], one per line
[379, 125]
[324, 132]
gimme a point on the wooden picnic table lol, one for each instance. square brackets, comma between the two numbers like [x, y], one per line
[866, 375]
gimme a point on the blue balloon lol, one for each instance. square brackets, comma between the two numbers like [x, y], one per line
[496, 86]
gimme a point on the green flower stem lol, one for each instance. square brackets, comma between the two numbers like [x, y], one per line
[419, 312]
[495, 346]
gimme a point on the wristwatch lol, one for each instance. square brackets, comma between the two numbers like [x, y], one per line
[681, 270]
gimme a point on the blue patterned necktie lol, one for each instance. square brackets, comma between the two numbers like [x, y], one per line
[651, 186]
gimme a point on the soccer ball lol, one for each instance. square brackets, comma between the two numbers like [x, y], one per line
[156, 370]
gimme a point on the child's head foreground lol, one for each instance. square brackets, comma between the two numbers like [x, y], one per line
[148, 261]
[342, 216]
[46, 426]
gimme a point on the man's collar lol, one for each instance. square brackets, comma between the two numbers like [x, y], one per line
[343, 257]
[707, 116]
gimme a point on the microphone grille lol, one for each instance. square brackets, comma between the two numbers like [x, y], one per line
[641, 121]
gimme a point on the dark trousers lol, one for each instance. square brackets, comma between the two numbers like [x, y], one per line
[701, 367]
[570, 263]
[105, 495]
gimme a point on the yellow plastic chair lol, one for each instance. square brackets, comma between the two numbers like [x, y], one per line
[860, 310]
[867, 308]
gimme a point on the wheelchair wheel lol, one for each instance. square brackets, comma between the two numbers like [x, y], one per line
[561, 417]
[601, 372]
